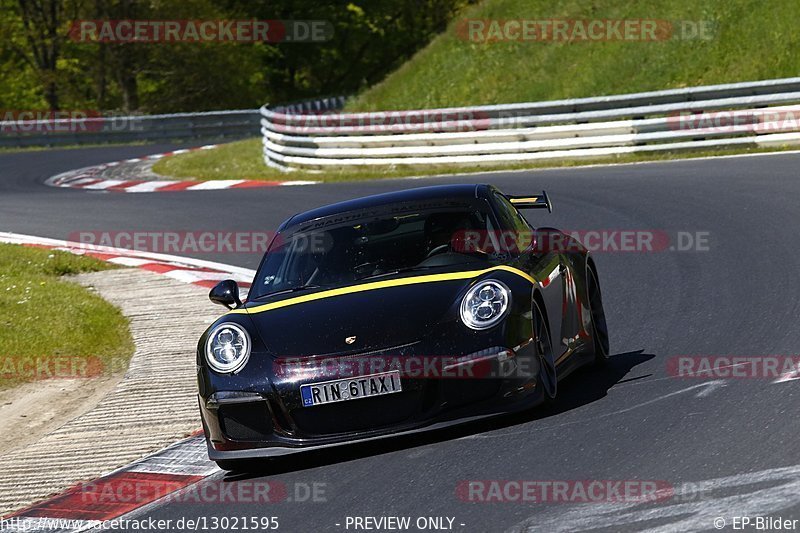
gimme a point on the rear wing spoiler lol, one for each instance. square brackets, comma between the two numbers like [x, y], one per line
[540, 201]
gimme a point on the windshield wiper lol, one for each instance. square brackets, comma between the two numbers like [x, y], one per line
[396, 271]
[290, 290]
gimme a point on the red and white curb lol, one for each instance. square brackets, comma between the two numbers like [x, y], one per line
[91, 178]
[184, 269]
[131, 488]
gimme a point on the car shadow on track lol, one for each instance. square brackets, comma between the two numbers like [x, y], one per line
[583, 387]
[592, 383]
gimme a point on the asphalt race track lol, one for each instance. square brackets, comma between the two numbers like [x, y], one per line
[727, 447]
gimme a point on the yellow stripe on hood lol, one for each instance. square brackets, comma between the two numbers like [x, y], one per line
[399, 282]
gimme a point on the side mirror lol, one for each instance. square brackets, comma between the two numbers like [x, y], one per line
[226, 293]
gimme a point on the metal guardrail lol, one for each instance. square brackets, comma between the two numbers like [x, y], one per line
[85, 128]
[314, 135]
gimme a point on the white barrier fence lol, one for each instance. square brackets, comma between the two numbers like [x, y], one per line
[315, 135]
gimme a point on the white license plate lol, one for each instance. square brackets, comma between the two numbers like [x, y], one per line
[354, 388]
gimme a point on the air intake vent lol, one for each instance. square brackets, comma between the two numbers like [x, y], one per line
[246, 421]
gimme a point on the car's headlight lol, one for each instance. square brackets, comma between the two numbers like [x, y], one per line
[227, 348]
[485, 304]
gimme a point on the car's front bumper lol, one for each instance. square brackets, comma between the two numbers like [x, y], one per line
[266, 418]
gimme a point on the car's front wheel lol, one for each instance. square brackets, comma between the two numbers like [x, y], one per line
[598, 314]
[547, 379]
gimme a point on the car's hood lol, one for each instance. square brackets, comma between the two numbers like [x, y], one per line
[322, 322]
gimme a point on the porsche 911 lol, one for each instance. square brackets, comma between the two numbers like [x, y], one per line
[393, 314]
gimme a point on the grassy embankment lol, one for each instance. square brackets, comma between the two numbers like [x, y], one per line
[54, 328]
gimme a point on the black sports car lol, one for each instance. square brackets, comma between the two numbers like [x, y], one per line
[396, 313]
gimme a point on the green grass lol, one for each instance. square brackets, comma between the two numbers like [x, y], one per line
[242, 160]
[54, 328]
[752, 40]
[236, 160]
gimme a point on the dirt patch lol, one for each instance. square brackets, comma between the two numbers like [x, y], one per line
[30, 411]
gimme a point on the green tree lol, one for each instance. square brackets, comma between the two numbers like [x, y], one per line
[35, 30]
[50, 68]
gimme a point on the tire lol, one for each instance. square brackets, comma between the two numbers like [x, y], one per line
[547, 380]
[598, 315]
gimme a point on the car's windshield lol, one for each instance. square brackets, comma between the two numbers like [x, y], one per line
[349, 247]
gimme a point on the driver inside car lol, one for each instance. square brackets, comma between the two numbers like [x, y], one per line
[442, 230]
